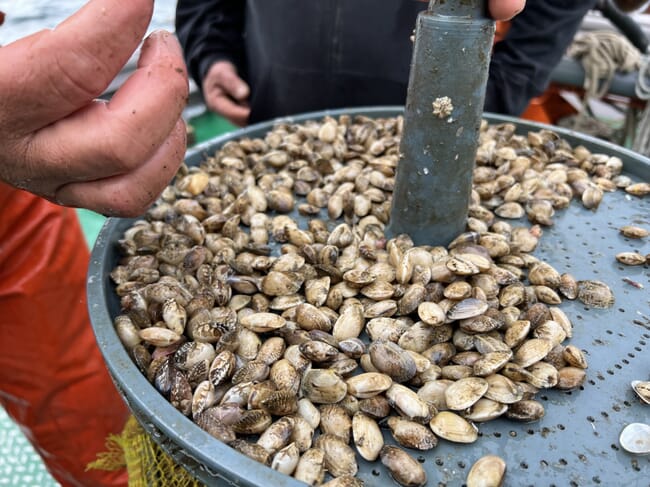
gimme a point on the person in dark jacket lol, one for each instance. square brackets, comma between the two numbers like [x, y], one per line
[259, 59]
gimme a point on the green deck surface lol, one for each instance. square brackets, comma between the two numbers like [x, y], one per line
[20, 465]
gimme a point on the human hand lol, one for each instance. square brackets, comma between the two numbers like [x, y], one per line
[505, 9]
[60, 143]
[226, 93]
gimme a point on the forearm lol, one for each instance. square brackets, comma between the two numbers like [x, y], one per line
[210, 31]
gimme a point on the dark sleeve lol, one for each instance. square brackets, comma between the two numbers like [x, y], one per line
[522, 62]
[210, 31]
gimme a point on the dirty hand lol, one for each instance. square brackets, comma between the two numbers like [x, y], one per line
[60, 143]
[226, 93]
[505, 9]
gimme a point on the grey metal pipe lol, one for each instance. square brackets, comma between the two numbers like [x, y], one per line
[444, 105]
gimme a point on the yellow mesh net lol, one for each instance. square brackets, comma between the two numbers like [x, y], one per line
[146, 463]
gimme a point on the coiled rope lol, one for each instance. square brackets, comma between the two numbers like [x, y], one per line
[602, 54]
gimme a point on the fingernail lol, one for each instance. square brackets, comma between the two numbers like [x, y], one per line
[167, 39]
[242, 91]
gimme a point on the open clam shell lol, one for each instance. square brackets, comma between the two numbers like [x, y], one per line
[635, 438]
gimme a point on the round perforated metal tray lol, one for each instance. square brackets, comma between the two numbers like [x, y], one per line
[575, 444]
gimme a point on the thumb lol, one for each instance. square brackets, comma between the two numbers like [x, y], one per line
[232, 84]
[72, 64]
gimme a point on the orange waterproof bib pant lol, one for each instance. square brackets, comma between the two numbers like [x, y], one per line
[53, 380]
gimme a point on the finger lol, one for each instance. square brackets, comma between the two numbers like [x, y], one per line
[225, 106]
[107, 139]
[505, 9]
[67, 67]
[231, 83]
[129, 195]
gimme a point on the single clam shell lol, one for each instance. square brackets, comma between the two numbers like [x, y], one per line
[635, 438]
[263, 322]
[309, 412]
[410, 434]
[252, 450]
[309, 317]
[418, 337]
[222, 367]
[403, 468]
[431, 313]
[285, 376]
[271, 350]
[303, 433]
[485, 410]
[488, 471]
[251, 372]
[467, 308]
[562, 319]
[392, 360]
[503, 390]
[208, 421]
[631, 231]
[491, 362]
[352, 347]
[595, 293]
[453, 427]
[369, 384]
[638, 189]
[254, 421]
[158, 336]
[280, 403]
[349, 323]
[550, 330]
[568, 286]
[574, 356]
[630, 258]
[318, 351]
[543, 375]
[526, 411]
[335, 420]
[277, 435]
[339, 457]
[367, 436]
[642, 389]
[543, 274]
[407, 402]
[433, 393]
[463, 393]
[323, 386]
[458, 290]
[517, 333]
[532, 351]
[311, 467]
[286, 459]
[570, 378]
[127, 331]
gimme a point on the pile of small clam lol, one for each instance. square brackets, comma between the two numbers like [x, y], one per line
[292, 342]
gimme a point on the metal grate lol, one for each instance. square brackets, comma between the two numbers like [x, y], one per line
[575, 444]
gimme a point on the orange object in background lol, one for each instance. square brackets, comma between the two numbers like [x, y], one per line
[53, 381]
[548, 108]
[501, 30]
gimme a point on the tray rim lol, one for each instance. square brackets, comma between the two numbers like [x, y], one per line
[189, 443]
